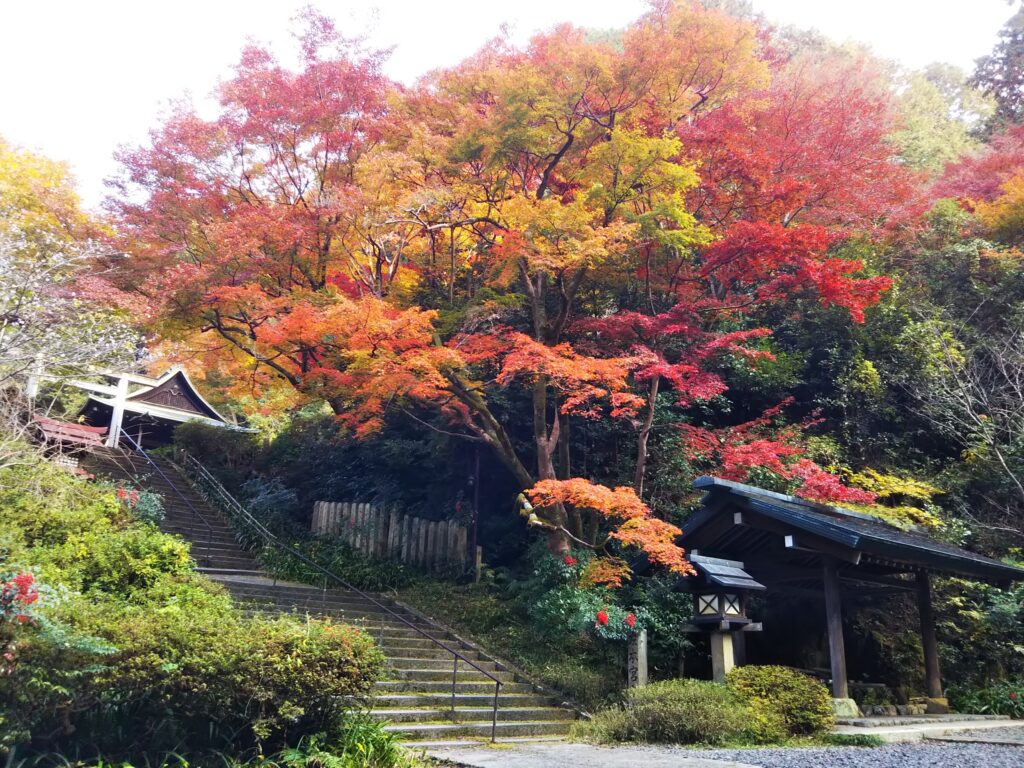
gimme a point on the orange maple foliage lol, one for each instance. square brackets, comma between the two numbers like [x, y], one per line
[605, 572]
[581, 379]
[634, 523]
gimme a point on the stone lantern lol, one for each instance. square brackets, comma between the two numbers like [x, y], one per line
[720, 592]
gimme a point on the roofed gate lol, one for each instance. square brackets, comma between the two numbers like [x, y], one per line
[786, 542]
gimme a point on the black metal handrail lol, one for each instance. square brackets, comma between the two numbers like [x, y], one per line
[233, 505]
[196, 514]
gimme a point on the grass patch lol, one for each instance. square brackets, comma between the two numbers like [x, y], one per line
[851, 740]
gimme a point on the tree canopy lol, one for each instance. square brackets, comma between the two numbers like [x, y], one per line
[620, 231]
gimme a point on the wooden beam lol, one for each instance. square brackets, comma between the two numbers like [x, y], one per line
[780, 574]
[834, 623]
[818, 546]
[933, 680]
[708, 534]
[881, 581]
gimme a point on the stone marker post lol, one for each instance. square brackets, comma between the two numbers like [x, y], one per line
[637, 660]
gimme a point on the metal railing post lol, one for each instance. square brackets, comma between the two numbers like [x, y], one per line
[455, 678]
[494, 713]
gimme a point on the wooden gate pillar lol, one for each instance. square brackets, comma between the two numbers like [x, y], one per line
[933, 679]
[834, 623]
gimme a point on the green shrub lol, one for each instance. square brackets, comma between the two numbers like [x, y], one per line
[118, 561]
[766, 725]
[217, 447]
[338, 557]
[130, 654]
[589, 685]
[42, 505]
[671, 712]
[804, 704]
[1005, 697]
[145, 506]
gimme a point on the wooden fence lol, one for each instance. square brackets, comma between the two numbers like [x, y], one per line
[383, 533]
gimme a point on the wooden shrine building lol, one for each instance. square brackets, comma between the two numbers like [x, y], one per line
[148, 409]
[792, 545]
[145, 408]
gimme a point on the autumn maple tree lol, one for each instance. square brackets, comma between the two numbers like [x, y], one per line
[589, 223]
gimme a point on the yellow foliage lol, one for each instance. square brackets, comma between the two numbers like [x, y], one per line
[900, 516]
[896, 498]
[38, 194]
[888, 487]
[1004, 216]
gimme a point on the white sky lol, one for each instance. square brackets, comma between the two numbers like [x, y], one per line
[81, 77]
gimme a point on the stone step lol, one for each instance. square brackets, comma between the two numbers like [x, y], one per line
[216, 550]
[368, 616]
[300, 593]
[464, 741]
[404, 634]
[181, 517]
[428, 652]
[184, 524]
[201, 538]
[472, 714]
[440, 676]
[482, 685]
[213, 564]
[930, 727]
[885, 721]
[392, 631]
[282, 591]
[470, 700]
[313, 605]
[425, 731]
[428, 656]
[444, 664]
[330, 598]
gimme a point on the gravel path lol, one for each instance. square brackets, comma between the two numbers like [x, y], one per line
[565, 755]
[918, 755]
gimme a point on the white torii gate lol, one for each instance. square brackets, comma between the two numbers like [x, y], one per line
[118, 391]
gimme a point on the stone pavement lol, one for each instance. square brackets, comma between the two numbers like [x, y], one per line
[565, 755]
[917, 728]
[1010, 736]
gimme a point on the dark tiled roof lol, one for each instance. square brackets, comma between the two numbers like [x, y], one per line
[724, 573]
[858, 532]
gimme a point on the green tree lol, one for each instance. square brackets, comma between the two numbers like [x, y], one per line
[939, 112]
[1001, 73]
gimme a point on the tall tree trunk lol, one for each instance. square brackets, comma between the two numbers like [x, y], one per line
[645, 433]
[564, 454]
[546, 442]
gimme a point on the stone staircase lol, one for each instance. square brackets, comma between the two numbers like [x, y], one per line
[214, 546]
[415, 695]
